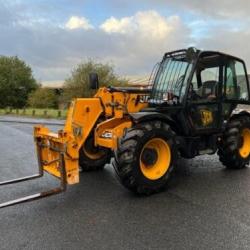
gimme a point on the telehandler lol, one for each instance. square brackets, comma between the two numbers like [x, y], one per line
[190, 109]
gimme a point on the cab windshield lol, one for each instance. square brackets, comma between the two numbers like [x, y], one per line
[170, 81]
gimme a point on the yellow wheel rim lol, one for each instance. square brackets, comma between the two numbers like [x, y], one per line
[92, 155]
[160, 165]
[245, 149]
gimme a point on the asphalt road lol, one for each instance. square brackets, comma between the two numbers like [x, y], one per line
[205, 206]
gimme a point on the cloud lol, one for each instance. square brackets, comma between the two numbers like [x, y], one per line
[76, 22]
[146, 34]
[142, 23]
[113, 25]
[143, 38]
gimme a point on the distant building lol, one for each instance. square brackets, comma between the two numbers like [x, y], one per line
[52, 84]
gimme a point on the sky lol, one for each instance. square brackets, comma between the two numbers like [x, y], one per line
[53, 36]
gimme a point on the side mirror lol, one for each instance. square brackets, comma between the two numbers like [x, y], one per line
[93, 81]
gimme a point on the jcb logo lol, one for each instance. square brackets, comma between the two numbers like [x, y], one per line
[206, 117]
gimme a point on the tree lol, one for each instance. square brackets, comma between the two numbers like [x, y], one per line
[16, 82]
[43, 98]
[77, 85]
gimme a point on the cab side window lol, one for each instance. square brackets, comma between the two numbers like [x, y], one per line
[235, 87]
[210, 80]
[205, 84]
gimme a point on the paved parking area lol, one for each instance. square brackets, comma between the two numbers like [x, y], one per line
[205, 206]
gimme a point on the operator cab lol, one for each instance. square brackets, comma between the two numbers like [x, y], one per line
[194, 75]
[207, 85]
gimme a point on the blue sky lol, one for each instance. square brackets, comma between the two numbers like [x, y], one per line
[54, 36]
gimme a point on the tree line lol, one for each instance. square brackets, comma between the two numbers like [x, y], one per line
[19, 88]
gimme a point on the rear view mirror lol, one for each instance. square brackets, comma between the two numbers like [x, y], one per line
[93, 81]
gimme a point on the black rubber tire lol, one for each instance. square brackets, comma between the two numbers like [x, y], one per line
[231, 142]
[127, 157]
[88, 164]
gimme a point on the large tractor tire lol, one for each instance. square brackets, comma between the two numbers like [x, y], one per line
[234, 148]
[145, 157]
[93, 158]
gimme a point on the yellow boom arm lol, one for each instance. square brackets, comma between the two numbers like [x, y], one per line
[82, 119]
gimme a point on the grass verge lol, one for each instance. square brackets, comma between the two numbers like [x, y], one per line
[41, 113]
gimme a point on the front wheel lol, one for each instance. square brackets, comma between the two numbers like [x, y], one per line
[145, 157]
[93, 158]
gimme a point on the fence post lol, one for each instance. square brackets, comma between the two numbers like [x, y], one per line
[59, 113]
[17, 111]
[45, 113]
[33, 112]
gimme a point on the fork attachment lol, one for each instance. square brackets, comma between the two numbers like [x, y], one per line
[60, 162]
[58, 153]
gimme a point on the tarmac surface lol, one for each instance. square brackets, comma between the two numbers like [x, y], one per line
[204, 207]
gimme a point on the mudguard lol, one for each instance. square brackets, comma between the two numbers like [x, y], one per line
[149, 116]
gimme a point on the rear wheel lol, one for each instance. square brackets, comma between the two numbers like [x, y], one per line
[234, 151]
[93, 158]
[145, 157]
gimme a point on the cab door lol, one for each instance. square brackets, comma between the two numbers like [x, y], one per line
[204, 106]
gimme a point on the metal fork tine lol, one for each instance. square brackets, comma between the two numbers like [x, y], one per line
[26, 178]
[32, 197]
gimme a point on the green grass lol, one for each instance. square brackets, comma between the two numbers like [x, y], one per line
[29, 112]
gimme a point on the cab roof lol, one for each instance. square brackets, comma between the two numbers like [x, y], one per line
[196, 53]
